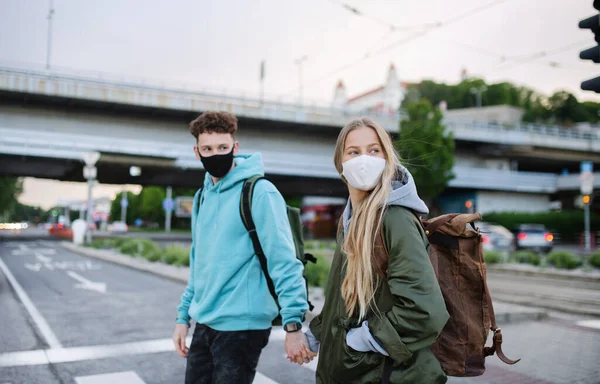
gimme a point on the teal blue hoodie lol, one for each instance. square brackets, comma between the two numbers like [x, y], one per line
[227, 289]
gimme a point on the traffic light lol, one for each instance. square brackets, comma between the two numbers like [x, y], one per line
[592, 23]
[586, 199]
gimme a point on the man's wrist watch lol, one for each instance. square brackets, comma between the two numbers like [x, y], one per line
[292, 327]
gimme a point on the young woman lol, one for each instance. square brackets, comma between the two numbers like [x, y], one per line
[383, 306]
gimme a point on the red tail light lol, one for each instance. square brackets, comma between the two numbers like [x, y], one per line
[60, 225]
[522, 236]
[549, 237]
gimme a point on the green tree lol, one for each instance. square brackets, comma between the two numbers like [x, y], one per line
[23, 212]
[426, 149]
[133, 207]
[151, 200]
[592, 110]
[561, 108]
[10, 189]
[566, 109]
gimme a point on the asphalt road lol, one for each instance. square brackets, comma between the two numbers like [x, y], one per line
[69, 319]
[93, 318]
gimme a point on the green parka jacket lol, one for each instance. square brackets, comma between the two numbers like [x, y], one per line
[411, 313]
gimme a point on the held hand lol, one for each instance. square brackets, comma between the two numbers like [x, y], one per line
[296, 346]
[179, 336]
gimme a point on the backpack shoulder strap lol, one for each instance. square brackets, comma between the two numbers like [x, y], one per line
[246, 215]
[196, 208]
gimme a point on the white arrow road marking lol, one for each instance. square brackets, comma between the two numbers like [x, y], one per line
[34, 267]
[42, 258]
[87, 284]
[39, 320]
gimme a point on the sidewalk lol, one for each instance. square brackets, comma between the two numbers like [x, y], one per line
[505, 313]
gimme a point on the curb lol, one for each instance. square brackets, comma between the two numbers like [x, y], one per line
[554, 274]
[178, 274]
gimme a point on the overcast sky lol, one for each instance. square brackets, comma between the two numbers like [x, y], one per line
[218, 45]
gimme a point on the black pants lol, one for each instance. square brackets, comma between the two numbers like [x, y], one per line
[224, 357]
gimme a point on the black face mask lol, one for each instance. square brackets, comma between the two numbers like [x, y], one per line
[217, 165]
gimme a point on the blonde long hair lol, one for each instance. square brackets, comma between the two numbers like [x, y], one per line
[358, 288]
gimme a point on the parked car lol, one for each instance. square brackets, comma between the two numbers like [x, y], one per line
[118, 227]
[535, 237]
[496, 237]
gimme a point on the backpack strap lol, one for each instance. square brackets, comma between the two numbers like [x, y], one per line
[196, 208]
[246, 215]
[497, 338]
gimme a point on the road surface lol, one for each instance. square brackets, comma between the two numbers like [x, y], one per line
[70, 319]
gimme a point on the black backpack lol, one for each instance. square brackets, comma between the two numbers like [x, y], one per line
[295, 225]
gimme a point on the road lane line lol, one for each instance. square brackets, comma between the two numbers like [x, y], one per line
[73, 354]
[39, 320]
[262, 379]
[16, 359]
[128, 377]
[589, 323]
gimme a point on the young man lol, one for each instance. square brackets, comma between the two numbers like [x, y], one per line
[227, 293]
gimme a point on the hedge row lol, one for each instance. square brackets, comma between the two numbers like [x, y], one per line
[316, 274]
[568, 224]
[558, 259]
[173, 254]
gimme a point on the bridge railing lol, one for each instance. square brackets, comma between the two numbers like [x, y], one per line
[113, 89]
[539, 129]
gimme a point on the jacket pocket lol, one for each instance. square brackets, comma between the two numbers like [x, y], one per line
[351, 366]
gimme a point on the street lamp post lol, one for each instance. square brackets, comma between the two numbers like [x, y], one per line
[49, 46]
[478, 92]
[90, 173]
[299, 61]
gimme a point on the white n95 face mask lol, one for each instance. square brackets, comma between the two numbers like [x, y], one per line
[363, 172]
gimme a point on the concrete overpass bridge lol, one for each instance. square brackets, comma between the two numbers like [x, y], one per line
[47, 120]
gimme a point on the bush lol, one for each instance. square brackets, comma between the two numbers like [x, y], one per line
[317, 273]
[492, 257]
[176, 255]
[152, 256]
[563, 260]
[526, 257]
[138, 247]
[102, 244]
[595, 260]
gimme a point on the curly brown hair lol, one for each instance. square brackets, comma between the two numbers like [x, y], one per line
[214, 122]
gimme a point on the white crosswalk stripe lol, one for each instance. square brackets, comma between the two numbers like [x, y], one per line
[129, 377]
[589, 323]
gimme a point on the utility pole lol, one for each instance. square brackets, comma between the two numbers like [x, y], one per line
[49, 45]
[299, 61]
[262, 81]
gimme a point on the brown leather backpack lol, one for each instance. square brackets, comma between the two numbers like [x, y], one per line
[456, 254]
